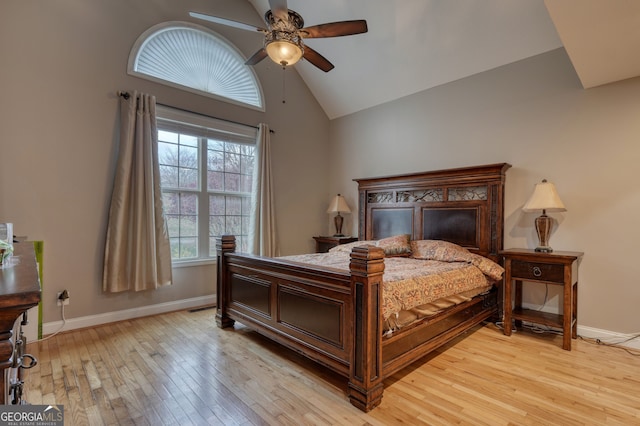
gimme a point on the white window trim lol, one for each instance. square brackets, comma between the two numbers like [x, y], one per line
[193, 119]
[190, 119]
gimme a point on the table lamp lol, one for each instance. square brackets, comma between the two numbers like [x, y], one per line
[544, 198]
[338, 205]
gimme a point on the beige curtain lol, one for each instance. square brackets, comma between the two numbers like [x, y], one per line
[262, 227]
[137, 253]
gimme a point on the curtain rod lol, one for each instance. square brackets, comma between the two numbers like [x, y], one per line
[126, 95]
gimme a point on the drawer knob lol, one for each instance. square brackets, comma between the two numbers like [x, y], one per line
[537, 272]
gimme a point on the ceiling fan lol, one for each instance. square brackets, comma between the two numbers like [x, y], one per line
[285, 32]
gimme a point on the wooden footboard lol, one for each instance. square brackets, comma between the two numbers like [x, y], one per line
[331, 316]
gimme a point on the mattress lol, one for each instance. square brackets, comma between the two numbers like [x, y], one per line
[414, 288]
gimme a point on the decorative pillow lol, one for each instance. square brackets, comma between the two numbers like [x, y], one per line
[443, 251]
[398, 245]
[349, 246]
[487, 266]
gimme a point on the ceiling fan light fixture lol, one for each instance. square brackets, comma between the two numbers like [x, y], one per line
[284, 47]
[284, 52]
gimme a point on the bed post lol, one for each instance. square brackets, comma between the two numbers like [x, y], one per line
[224, 244]
[365, 375]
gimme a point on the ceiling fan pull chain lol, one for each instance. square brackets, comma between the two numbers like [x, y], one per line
[283, 84]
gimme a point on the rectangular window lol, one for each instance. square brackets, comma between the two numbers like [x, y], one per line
[206, 176]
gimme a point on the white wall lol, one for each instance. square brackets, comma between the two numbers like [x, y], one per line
[534, 115]
[62, 63]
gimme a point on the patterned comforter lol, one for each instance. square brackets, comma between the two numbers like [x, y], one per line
[409, 283]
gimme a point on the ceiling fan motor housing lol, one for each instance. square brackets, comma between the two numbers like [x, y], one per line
[295, 21]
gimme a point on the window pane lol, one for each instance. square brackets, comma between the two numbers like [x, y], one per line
[189, 157]
[247, 164]
[168, 176]
[215, 181]
[234, 206]
[188, 248]
[234, 225]
[170, 203]
[166, 136]
[212, 246]
[215, 144]
[189, 204]
[246, 182]
[188, 226]
[175, 247]
[173, 225]
[188, 178]
[229, 168]
[167, 153]
[215, 160]
[189, 140]
[216, 226]
[216, 205]
[242, 245]
[232, 162]
[232, 182]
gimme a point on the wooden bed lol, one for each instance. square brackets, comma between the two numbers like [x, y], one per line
[332, 316]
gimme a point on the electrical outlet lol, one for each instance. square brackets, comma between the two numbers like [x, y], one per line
[63, 298]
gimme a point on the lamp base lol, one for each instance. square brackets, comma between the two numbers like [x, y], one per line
[338, 222]
[545, 249]
[543, 229]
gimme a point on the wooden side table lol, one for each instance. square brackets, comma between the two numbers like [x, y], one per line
[323, 244]
[19, 292]
[556, 268]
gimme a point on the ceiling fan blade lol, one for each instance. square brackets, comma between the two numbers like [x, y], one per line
[279, 9]
[335, 29]
[317, 59]
[257, 57]
[223, 21]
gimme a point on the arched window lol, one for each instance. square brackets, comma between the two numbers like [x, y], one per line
[194, 58]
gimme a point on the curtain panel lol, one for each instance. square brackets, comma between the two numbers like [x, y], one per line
[137, 252]
[262, 228]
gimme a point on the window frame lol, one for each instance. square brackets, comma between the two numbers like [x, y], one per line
[176, 120]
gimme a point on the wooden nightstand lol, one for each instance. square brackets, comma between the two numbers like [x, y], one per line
[557, 268]
[323, 244]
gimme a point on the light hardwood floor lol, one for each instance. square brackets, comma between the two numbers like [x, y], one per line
[180, 369]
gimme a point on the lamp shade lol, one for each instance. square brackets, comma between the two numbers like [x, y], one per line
[338, 205]
[544, 197]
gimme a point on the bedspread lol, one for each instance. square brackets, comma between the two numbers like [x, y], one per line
[409, 282]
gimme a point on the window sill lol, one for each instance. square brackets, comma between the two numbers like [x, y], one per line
[192, 262]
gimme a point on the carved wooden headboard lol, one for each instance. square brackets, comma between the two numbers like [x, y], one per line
[464, 206]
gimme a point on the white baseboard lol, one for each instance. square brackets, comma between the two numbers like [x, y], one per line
[609, 337]
[605, 336]
[94, 320]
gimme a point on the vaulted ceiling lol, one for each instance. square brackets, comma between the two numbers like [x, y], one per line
[413, 45]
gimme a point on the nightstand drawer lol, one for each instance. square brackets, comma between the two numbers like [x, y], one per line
[537, 271]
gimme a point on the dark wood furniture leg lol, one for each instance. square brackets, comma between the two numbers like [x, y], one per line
[365, 374]
[574, 329]
[517, 306]
[567, 309]
[226, 244]
[508, 306]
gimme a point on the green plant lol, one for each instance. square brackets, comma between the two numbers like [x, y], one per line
[6, 250]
